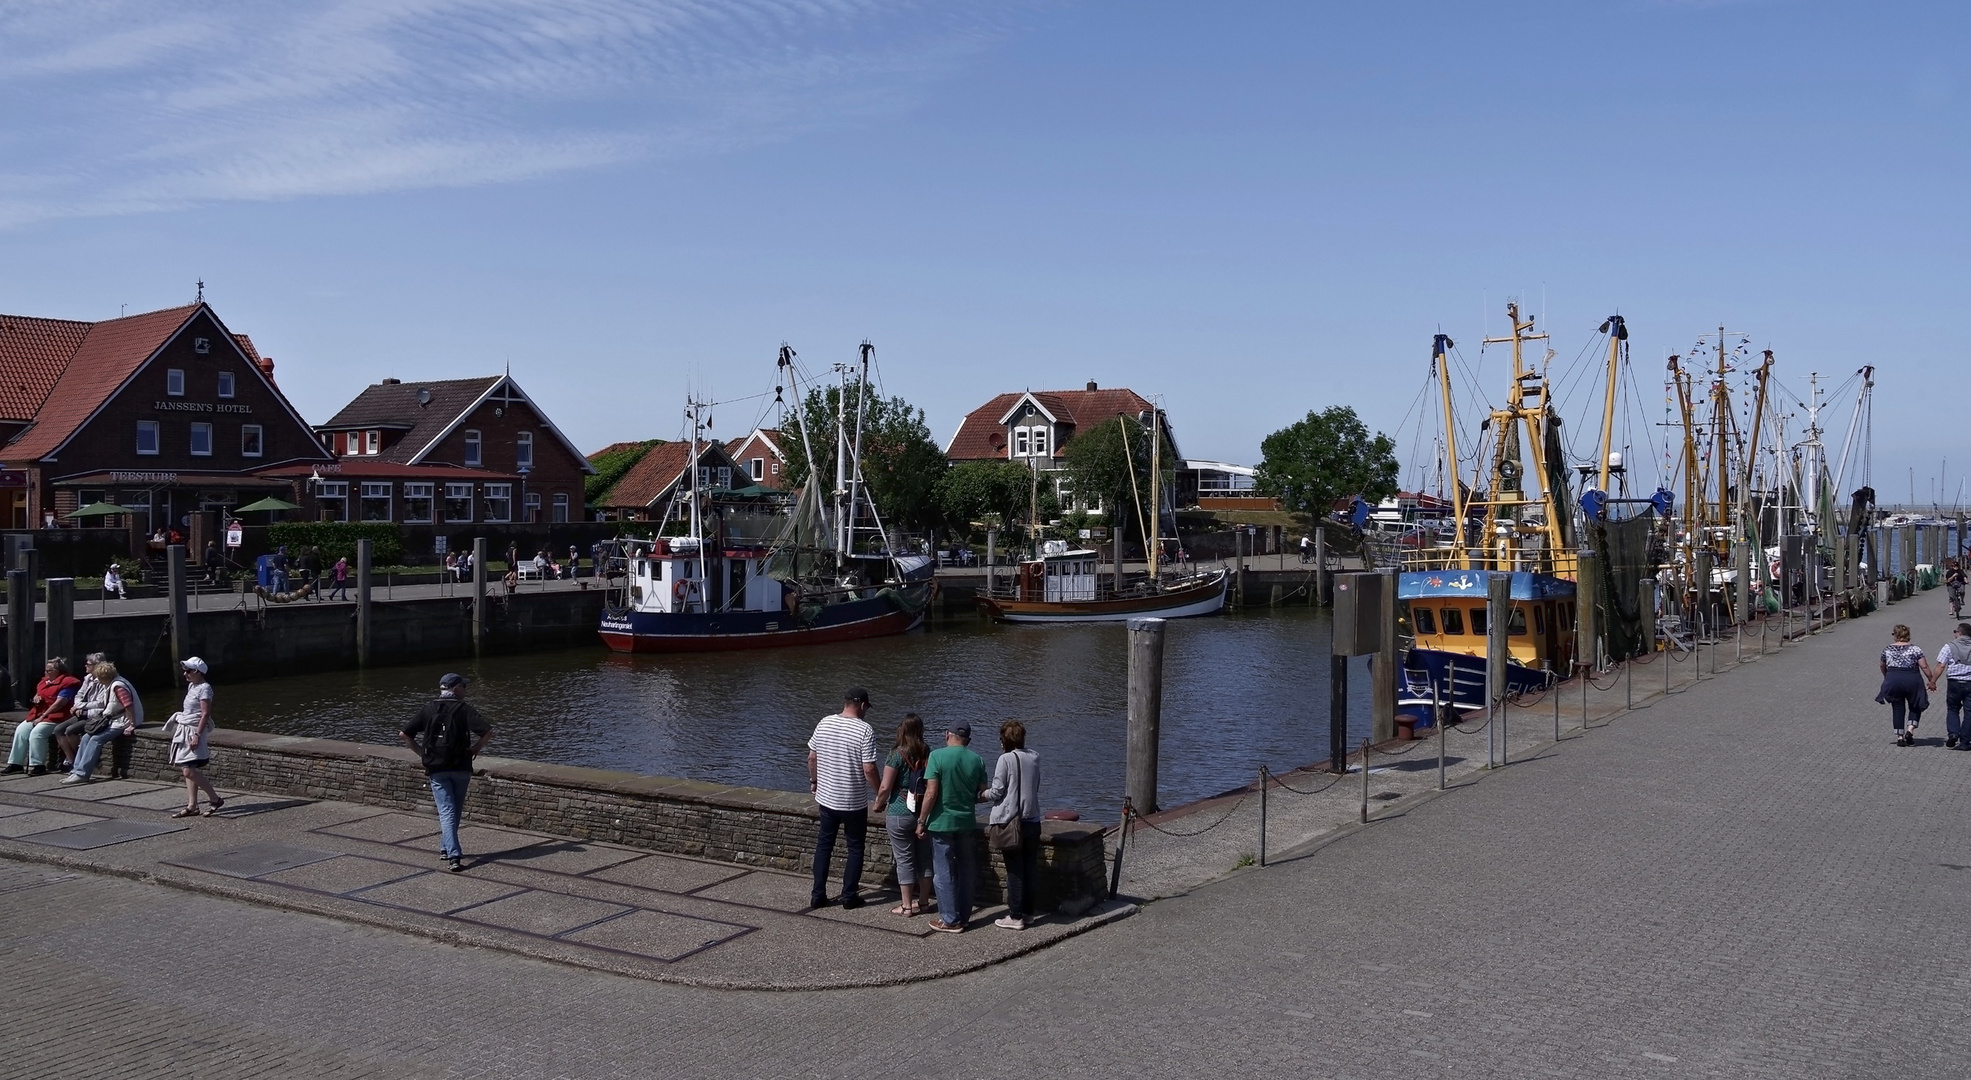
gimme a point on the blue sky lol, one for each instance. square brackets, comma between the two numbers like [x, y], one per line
[1251, 210]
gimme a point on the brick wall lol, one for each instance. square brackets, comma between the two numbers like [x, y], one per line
[750, 826]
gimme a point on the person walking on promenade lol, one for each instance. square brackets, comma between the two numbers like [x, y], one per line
[1954, 666]
[1954, 581]
[574, 561]
[280, 567]
[187, 729]
[841, 773]
[89, 697]
[1015, 798]
[1903, 668]
[113, 583]
[1306, 549]
[340, 574]
[54, 698]
[447, 734]
[121, 714]
[948, 815]
[903, 786]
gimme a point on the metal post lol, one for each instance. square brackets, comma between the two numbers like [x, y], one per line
[1498, 619]
[20, 636]
[1262, 815]
[181, 644]
[1338, 713]
[364, 642]
[478, 595]
[1382, 693]
[992, 555]
[1145, 712]
[1239, 576]
[1365, 781]
[61, 620]
[1321, 564]
[1554, 678]
[1437, 717]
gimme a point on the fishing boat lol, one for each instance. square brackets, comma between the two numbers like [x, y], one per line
[748, 569]
[1059, 584]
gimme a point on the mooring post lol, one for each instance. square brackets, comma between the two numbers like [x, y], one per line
[1741, 563]
[992, 556]
[1239, 559]
[1338, 713]
[1553, 689]
[61, 620]
[1145, 712]
[1498, 620]
[1365, 781]
[1321, 564]
[181, 644]
[20, 636]
[478, 595]
[1382, 669]
[1262, 815]
[364, 643]
[1437, 717]
[1909, 557]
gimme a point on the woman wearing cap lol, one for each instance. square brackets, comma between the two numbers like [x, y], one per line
[1015, 796]
[187, 729]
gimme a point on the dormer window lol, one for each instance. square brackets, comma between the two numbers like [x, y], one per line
[471, 449]
[372, 442]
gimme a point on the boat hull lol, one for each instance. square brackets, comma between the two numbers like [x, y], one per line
[1205, 599]
[1459, 679]
[663, 632]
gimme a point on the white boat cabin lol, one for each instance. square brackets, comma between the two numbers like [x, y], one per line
[1065, 575]
[666, 577]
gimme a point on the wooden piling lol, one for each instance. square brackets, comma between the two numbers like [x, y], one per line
[478, 596]
[364, 639]
[20, 634]
[1145, 712]
[1498, 620]
[1646, 606]
[1321, 582]
[1741, 562]
[181, 620]
[61, 620]
[1587, 610]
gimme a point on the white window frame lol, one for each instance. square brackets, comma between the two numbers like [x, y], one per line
[372, 442]
[560, 512]
[413, 494]
[174, 382]
[1041, 438]
[369, 491]
[523, 450]
[226, 384]
[758, 468]
[499, 502]
[259, 434]
[1020, 443]
[472, 448]
[531, 507]
[332, 494]
[150, 428]
[198, 428]
[458, 493]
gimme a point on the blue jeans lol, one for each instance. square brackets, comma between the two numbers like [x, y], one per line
[1955, 699]
[91, 750]
[448, 792]
[854, 827]
[954, 870]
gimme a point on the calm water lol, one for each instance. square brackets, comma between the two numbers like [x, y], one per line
[1239, 691]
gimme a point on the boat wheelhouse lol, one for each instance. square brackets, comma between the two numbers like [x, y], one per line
[1448, 617]
[1064, 585]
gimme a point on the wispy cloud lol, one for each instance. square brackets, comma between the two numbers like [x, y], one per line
[122, 106]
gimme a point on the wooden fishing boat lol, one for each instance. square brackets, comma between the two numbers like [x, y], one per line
[1068, 586]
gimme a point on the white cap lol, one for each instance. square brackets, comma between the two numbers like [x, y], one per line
[193, 664]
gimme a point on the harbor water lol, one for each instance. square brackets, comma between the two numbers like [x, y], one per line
[1240, 691]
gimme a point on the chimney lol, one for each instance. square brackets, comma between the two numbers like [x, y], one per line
[390, 382]
[266, 366]
[1091, 384]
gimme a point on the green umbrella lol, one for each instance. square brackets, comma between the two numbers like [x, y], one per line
[101, 509]
[268, 503]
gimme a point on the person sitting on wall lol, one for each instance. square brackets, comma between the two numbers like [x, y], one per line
[54, 696]
[113, 583]
[511, 581]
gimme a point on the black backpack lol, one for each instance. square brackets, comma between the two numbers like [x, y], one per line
[446, 736]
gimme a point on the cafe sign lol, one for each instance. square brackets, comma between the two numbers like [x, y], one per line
[143, 477]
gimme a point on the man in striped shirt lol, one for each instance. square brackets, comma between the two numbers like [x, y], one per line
[842, 773]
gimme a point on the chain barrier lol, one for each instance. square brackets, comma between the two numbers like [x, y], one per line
[1338, 778]
[1200, 832]
[1611, 682]
[1639, 660]
[1414, 743]
[1518, 699]
[1471, 731]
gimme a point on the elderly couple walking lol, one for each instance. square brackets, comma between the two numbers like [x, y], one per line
[928, 799]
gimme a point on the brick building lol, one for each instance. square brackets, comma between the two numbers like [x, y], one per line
[759, 456]
[1033, 427]
[645, 491]
[166, 412]
[454, 451]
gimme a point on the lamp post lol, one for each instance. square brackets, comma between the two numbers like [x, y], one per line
[526, 514]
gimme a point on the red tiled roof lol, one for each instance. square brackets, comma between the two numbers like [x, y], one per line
[365, 468]
[109, 353]
[395, 405]
[1076, 408]
[33, 353]
[652, 475]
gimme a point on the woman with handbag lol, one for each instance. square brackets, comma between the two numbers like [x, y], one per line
[901, 790]
[1013, 830]
[1902, 667]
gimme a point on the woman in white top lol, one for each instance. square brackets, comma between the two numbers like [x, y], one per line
[188, 728]
[1015, 796]
[113, 583]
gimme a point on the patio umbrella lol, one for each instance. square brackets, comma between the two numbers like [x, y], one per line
[101, 509]
[268, 503]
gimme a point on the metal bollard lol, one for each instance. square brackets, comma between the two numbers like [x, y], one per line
[1629, 676]
[1262, 815]
[1555, 691]
[1365, 781]
[1437, 714]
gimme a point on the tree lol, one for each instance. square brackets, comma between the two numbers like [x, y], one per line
[900, 462]
[1100, 461]
[1327, 456]
[970, 490]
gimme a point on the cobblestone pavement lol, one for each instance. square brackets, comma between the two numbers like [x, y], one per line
[1747, 880]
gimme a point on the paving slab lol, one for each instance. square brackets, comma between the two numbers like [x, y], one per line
[535, 911]
[252, 860]
[38, 821]
[659, 935]
[95, 834]
[667, 874]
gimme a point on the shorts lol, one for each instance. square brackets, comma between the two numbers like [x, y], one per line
[198, 764]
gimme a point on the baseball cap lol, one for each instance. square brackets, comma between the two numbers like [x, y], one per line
[452, 680]
[193, 663]
[856, 695]
[963, 731]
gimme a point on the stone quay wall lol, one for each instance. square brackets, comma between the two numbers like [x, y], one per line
[743, 825]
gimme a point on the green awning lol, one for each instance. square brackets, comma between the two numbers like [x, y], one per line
[101, 509]
[268, 503]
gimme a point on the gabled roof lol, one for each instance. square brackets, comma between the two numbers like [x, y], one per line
[1077, 408]
[108, 353]
[395, 405]
[769, 436]
[652, 477]
[33, 354]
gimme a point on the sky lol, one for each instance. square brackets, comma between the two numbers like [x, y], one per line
[1246, 210]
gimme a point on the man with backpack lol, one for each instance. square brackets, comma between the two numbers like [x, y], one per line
[447, 734]
[1954, 665]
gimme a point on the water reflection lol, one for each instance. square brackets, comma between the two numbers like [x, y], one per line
[1239, 691]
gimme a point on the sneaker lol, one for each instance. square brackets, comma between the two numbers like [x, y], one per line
[1008, 922]
[948, 928]
[75, 778]
[455, 864]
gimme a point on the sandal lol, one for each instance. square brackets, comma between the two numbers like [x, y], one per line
[189, 811]
[905, 910]
[214, 808]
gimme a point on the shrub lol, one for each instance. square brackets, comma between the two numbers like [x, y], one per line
[337, 539]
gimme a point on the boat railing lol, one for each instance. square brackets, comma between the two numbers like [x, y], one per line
[1558, 563]
[1008, 587]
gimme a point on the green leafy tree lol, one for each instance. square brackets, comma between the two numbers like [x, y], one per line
[610, 467]
[1327, 456]
[1100, 461]
[972, 490]
[900, 461]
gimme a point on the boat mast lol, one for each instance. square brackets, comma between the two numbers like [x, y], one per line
[1693, 483]
[697, 524]
[856, 483]
[1156, 505]
[1527, 407]
[1618, 332]
[1763, 376]
[1440, 359]
[1810, 503]
[842, 538]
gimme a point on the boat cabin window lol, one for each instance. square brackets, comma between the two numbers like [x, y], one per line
[1426, 622]
[1565, 615]
[1478, 621]
[1516, 622]
[1540, 619]
[1454, 621]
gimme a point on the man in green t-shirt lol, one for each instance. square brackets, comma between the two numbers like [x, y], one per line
[953, 778]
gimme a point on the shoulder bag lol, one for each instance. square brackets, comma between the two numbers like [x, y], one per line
[1005, 835]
